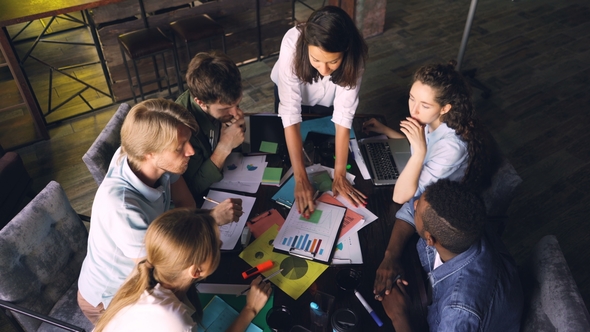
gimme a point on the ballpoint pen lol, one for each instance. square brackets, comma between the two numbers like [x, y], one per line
[315, 195]
[380, 295]
[263, 280]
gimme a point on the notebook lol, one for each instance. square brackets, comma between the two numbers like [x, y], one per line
[385, 158]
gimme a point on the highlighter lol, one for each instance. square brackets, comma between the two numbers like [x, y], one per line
[257, 269]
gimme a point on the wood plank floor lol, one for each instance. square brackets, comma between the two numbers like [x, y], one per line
[533, 54]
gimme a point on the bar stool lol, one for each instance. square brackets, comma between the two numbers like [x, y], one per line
[196, 28]
[144, 43]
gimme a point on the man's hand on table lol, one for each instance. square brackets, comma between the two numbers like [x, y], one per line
[227, 211]
[396, 306]
[387, 272]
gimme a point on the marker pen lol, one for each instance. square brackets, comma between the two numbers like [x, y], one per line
[257, 269]
[369, 309]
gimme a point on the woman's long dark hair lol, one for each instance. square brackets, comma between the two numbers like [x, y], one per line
[452, 89]
[331, 29]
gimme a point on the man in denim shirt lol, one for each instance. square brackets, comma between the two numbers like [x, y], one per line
[475, 285]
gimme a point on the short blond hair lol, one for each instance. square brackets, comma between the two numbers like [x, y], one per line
[152, 127]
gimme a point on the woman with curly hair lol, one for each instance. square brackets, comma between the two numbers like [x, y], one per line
[447, 141]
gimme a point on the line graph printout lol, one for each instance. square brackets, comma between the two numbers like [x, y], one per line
[311, 238]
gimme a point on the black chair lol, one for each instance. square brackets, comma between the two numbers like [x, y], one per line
[191, 30]
[147, 43]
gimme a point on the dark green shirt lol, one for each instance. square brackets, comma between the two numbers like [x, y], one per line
[201, 171]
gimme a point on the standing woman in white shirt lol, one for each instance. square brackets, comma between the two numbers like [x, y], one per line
[319, 70]
[182, 247]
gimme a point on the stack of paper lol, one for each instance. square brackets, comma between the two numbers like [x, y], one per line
[242, 173]
[298, 273]
[285, 196]
[348, 247]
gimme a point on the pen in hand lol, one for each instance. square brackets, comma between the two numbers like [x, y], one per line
[382, 293]
[210, 200]
[315, 196]
[263, 280]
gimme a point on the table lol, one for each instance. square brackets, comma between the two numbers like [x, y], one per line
[373, 238]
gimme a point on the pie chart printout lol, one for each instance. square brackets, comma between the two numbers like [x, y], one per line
[294, 268]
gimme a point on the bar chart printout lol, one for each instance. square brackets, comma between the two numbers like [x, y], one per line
[311, 238]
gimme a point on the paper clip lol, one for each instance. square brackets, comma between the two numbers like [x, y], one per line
[302, 253]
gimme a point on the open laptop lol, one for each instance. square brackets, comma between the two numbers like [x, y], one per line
[385, 158]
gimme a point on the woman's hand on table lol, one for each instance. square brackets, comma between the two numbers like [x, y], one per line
[258, 295]
[387, 272]
[414, 131]
[341, 186]
[227, 211]
[304, 193]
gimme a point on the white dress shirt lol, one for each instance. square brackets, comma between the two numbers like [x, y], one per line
[293, 93]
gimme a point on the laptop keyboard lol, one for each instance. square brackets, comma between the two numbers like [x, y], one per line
[383, 164]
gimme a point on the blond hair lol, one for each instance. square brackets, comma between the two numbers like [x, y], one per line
[152, 127]
[176, 240]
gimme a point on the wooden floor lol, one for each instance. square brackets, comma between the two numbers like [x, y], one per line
[533, 54]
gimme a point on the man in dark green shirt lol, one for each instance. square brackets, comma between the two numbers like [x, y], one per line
[213, 97]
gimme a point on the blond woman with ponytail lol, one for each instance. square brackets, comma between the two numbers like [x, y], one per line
[182, 247]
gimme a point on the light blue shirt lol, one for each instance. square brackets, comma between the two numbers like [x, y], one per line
[446, 157]
[123, 208]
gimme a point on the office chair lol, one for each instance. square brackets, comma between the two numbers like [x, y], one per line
[16, 185]
[41, 253]
[499, 195]
[552, 300]
[99, 155]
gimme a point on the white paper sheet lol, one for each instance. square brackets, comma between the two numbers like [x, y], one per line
[348, 250]
[363, 211]
[230, 233]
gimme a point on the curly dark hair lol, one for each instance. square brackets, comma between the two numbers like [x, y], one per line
[331, 29]
[456, 215]
[451, 88]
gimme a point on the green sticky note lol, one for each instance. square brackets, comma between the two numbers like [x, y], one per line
[268, 147]
[314, 218]
[272, 175]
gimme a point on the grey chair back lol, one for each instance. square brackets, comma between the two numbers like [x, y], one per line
[500, 194]
[552, 299]
[41, 253]
[99, 156]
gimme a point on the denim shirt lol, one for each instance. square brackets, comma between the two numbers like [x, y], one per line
[477, 290]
